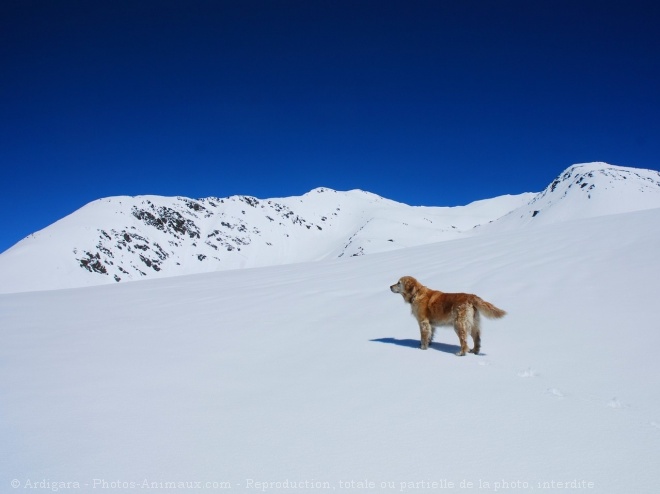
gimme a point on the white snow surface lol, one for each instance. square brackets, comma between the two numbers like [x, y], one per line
[307, 377]
[312, 372]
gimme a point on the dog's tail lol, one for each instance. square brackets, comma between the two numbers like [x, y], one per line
[488, 309]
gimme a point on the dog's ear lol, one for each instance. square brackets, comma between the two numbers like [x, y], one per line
[410, 284]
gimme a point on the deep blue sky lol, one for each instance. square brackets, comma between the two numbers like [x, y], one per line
[424, 102]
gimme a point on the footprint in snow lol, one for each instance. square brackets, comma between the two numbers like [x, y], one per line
[529, 372]
[616, 404]
[555, 392]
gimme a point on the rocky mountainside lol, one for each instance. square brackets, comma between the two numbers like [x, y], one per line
[129, 238]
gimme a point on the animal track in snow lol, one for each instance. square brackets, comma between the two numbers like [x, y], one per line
[529, 372]
[536, 377]
[616, 404]
[555, 392]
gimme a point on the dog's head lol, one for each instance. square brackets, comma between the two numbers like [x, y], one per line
[407, 286]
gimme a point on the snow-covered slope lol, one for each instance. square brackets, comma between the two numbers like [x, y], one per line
[129, 238]
[585, 191]
[135, 238]
[307, 377]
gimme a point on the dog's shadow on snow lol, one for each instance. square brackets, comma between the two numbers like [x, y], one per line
[441, 347]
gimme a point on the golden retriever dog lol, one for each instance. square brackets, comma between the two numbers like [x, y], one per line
[433, 308]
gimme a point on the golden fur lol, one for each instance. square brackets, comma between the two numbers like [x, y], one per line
[433, 308]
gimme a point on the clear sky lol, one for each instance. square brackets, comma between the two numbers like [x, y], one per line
[435, 103]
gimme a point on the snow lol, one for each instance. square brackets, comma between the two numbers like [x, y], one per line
[136, 238]
[120, 239]
[308, 377]
[297, 377]
[585, 191]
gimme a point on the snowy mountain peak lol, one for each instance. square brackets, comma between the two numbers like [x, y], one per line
[357, 194]
[321, 190]
[590, 177]
[587, 190]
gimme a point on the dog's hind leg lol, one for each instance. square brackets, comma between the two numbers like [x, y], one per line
[426, 332]
[461, 331]
[462, 322]
[476, 333]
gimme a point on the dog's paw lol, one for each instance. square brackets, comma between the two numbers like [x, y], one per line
[460, 354]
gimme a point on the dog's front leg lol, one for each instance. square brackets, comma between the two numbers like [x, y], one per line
[426, 333]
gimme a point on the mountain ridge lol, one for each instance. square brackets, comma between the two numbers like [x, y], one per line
[125, 238]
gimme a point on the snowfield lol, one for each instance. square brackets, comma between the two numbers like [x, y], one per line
[307, 377]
